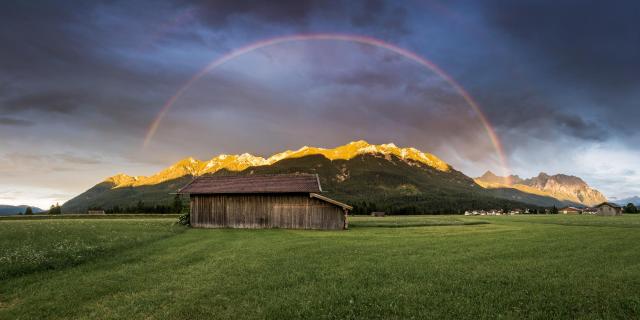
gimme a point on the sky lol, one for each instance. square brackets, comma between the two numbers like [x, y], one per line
[82, 82]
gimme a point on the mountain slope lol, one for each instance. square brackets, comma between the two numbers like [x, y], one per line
[6, 210]
[404, 185]
[384, 177]
[569, 189]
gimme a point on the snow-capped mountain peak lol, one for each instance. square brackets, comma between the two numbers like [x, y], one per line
[194, 167]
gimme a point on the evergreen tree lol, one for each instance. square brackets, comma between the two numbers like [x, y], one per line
[554, 210]
[28, 211]
[177, 204]
[140, 207]
[55, 209]
[630, 208]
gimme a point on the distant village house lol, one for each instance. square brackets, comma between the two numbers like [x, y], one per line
[570, 210]
[494, 212]
[263, 201]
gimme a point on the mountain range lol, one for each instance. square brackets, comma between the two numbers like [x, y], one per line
[381, 177]
[623, 202]
[559, 186]
[8, 210]
[192, 167]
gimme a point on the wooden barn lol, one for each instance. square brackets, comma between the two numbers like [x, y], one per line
[609, 209]
[263, 201]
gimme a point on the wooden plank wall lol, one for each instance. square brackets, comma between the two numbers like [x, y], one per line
[288, 211]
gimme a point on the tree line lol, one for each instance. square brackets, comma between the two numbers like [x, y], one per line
[359, 207]
[630, 208]
[55, 209]
[443, 207]
[176, 206]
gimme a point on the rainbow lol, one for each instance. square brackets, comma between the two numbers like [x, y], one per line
[334, 37]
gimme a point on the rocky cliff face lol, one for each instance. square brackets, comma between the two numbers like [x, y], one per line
[560, 186]
[570, 187]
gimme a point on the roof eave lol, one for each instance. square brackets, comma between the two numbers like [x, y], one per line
[249, 192]
[180, 191]
[611, 204]
[335, 202]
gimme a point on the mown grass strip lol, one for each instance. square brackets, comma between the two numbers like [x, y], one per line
[91, 216]
[390, 224]
[37, 245]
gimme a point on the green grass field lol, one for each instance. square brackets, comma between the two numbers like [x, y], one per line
[382, 268]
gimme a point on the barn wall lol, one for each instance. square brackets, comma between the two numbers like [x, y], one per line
[606, 210]
[289, 211]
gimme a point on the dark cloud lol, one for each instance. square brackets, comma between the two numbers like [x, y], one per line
[544, 120]
[383, 17]
[576, 126]
[58, 102]
[20, 162]
[592, 42]
[77, 159]
[44, 32]
[378, 13]
[4, 121]
[220, 13]
[368, 79]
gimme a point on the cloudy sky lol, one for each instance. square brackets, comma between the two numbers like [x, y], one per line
[81, 83]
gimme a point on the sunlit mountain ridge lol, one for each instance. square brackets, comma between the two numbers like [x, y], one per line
[232, 162]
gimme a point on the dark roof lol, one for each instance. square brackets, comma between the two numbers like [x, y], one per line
[275, 183]
[609, 204]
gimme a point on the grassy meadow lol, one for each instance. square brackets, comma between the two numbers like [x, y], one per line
[458, 267]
